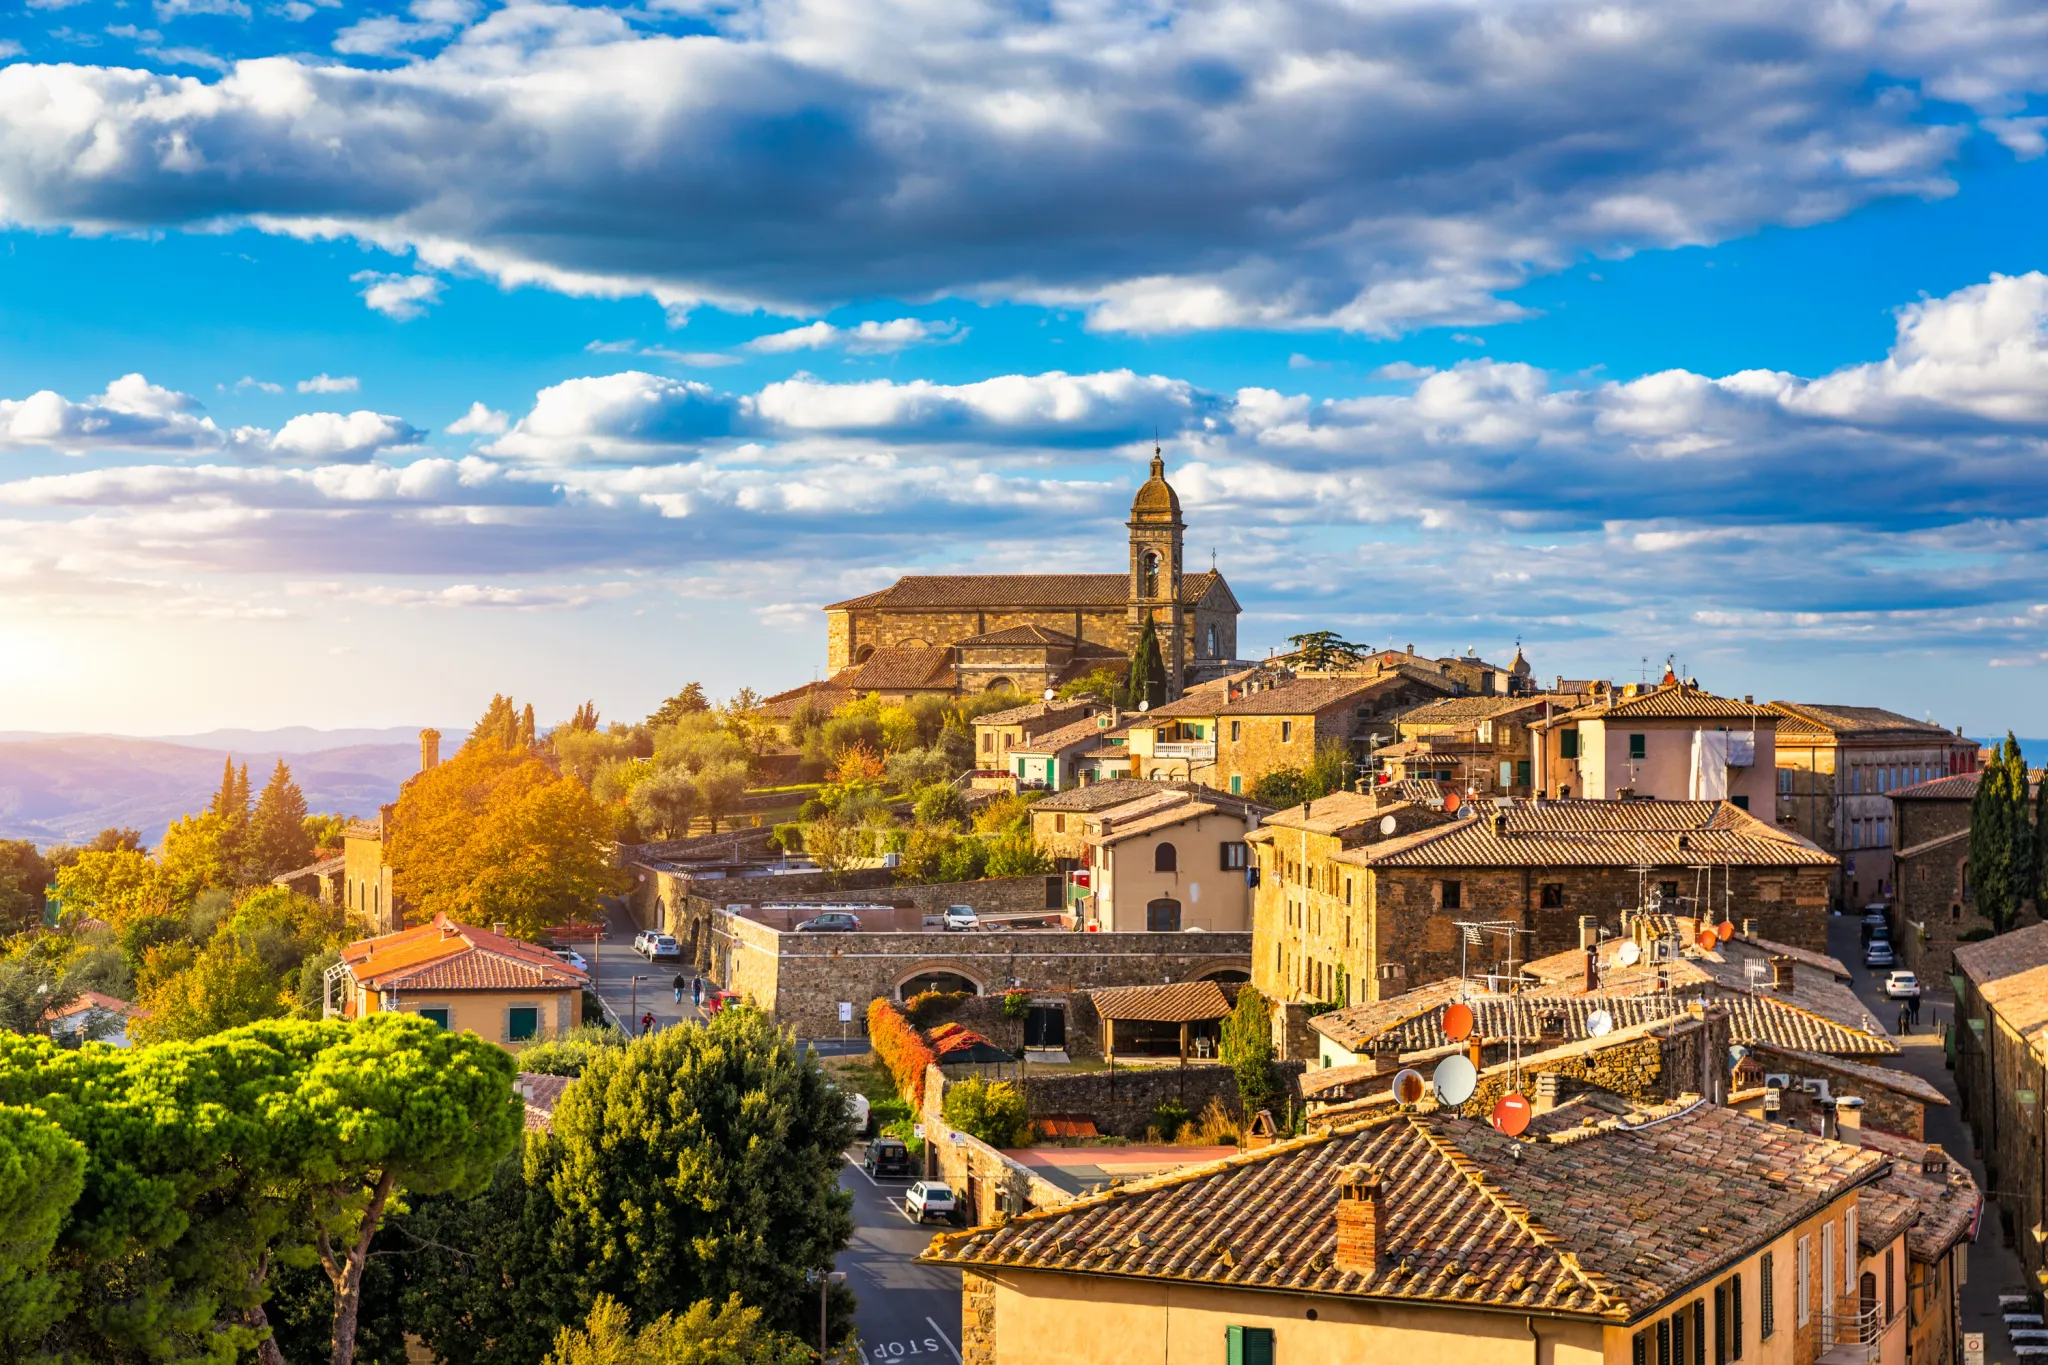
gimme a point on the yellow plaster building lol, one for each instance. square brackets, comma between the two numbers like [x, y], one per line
[482, 981]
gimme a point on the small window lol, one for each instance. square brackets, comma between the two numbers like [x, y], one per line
[1347, 894]
[1236, 782]
[1235, 732]
[1738, 801]
[988, 741]
[522, 1022]
[436, 1015]
[1454, 895]
[1553, 895]
[1668, 892]
[1735, 1317]
[1638, 746]
[1165, 859]
[1234, 857]
[1287, 732]
[1521, 772]
[1802, 1273]
[1767, 1300]
[1567, 743]
[1248, 1345]
[1784, 781]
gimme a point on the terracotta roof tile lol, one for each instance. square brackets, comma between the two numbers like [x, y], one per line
[1472, 1217]
[1676, 701]
[2010, 973]
[1959, 787]
[1580, 833]
[1884, 1077]
[1465, 710]
[1942, 1203]
[1302, 697]
[1857, 722]
[1052, 741]
[447, 955]
[541, 1094]
[1037, 635]
[897, 667]
[1179, 1003]
[325, 867]
[1116, 792]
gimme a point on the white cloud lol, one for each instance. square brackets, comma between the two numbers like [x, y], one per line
[703, 360]
[172, 9]
[868, 338]
[1269, 163]
[619, 416]
[9, 48]
[332, 436]
[136, 415]
[251, 382]
[326, 383]
[611, 347]
[480, 421]
[399, 297]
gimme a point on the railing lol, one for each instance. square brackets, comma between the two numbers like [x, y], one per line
[1202, 752]
[1853, 1338]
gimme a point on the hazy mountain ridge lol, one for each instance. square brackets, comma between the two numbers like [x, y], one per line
[67, 789]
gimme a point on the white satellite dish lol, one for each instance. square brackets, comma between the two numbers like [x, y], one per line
[1599, 1024]
[1051, 693]
[1628, 954]
[1455, 1080]
[1388, 824]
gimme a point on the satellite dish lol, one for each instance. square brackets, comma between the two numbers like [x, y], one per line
[1599, 1024]
[1708, 940]
[1145, 705]
[1451, 804]
[1388, 824]
[1458, 1021]
[1628, 954]
[1726, 930]
[1736, 1052]
[1408, 1086]
[1512, 1114]
[1051, 693]
[1456, 1078]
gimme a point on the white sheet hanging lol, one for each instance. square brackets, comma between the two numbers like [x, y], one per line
[1709, 765]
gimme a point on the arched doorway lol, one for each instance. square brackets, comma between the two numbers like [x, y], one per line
[1162, 916]
[944, 981]
[1000, 685]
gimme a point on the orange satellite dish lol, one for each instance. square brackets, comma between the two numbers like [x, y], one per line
[1458, 1022]
[1709, 940]
[1451, 804]
[1408, 1086]
[1726, 930]
[1512, 1114]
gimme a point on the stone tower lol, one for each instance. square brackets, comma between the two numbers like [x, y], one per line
[1156, 534]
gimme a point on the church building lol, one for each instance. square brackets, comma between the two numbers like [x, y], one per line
[1025, 632]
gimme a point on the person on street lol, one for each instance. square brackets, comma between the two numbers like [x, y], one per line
[1905, 1020]
[1913, 1008]
[647, 1023]
[697, 991]
[678, 983]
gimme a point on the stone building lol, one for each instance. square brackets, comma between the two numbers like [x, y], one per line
[1166, 861]
[366, 886]
[2001, 1069]
[1932, 905]
[1477, 744]
[1026, 632]
[1281, 725]
[1358, 896]
[1836, 769]
[1671, 742]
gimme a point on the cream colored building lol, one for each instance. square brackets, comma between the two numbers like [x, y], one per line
[1671, 742]
[1419, 1237]
[482, 981]
[1166, 862]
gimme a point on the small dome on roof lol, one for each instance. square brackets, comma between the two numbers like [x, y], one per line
[1156, 498]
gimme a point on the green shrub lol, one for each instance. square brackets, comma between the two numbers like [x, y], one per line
[994, 1112]
[929, 1007]
[1169, 1118]
[1017, 1005]
[1248, 1048]
[788, 838]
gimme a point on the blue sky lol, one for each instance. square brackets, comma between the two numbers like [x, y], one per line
[359, 360]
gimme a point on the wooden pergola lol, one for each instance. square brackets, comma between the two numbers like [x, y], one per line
[1182, 1002]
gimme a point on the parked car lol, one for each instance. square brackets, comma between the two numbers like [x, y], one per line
[930, 1199]
[1878, 954]
[1902, 986]
[572, 957]
[857, 1110]
[832, 921]
[659, 946]
[887, 1158]
[640, 940]
[961, 917]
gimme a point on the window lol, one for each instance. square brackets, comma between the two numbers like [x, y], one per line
[1767, 1300]
[1454, 895]
[436, 1015]
[988, 741]
[1784, 781]
[1287, 732]
[1639, 1349]
[1827, 1267]
[1739, 801]
[1151, 567]
[1248, 1345]
[1165, 859]
[1347, 901]
[1678, 1334]
[1233, 857]
[1720, 1324]
[1507, 772]
[1735, 1316]
[1236, 732]
[1059, 822]
[1521, 772]
[1664, 1341]
[1802, 1290]
[1667, 892]
[1211, 650]
[522, 1022]
[1567, 743]
[1236, 782]
[1553, 895]
[1638, 746]
[1162, 917]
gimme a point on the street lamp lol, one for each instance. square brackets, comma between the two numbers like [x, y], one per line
[825, 1280]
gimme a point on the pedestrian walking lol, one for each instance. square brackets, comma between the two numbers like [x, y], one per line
[1905, 1020]
[697, 991]
[678, 983]
[647, 1023]
[1913, 1008]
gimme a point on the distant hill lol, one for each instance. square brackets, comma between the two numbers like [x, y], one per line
[66, 789]
[304, 739]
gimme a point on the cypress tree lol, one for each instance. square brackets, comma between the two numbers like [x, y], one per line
[1147, 680]
[2001, 838]
[526, 727]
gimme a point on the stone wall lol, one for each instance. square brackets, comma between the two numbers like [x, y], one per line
[1887, 1111]
[801, 979]
[977, 1319]
[1122, 1103]
[1931, 910]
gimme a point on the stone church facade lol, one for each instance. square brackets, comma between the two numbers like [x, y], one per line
[1022, 632]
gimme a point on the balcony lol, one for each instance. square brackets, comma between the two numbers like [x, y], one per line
[1856, 1338]
[1191, 751]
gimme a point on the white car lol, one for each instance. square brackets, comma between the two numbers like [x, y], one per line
[929, 1199]
[573, 958]
[961, 917]
[1902, 986]
[640, 940]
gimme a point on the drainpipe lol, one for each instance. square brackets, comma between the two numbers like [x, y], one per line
[1535, 1342]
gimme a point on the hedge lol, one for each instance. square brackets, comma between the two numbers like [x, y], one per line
[901, 1050]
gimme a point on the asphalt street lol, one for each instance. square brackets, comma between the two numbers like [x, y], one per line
[906, 1312]
[1994, 1269]
[631, 986]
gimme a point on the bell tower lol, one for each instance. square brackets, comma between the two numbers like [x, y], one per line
[1156, 534]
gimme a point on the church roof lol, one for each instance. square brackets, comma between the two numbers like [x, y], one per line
[1156, 500]
[970, 591]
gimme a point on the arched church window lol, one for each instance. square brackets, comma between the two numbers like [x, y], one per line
[863, 654]
[1210, 652]
[1150, 563]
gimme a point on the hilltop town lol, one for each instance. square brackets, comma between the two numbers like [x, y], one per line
[1045, 972]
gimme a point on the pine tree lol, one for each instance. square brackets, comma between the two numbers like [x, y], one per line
[1147, 683]
[278, 839]
[224, 799]
[687, 702]
[526, 727]
[499, 727]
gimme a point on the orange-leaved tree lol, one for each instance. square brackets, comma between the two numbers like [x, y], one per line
[496, 834]
[901, 1049]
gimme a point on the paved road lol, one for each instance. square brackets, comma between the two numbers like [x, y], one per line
[618, 966]
[1994, 1269]
[907, 1314]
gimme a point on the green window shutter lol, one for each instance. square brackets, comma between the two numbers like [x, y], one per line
[1249, 1345]
[1568, 743]
[1638, 746]
[1522, 772]
[522, 1022]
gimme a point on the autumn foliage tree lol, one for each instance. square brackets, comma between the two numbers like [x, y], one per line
[496, 834]
[902, 1049]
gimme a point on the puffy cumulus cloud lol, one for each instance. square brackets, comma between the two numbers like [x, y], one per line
[480, 421]
[620, 416]
[136, 415]
[1170, 165]
[399, 297]
[867, 338]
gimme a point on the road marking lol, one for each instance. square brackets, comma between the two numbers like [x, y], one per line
[948, 1340]
[862, 1169]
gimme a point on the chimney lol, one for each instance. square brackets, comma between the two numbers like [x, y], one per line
[1361, 1212]
[1500, 824]
[1589, 930]
[1934, 1162]
[1475, 1051]
[1782, 972]
[430, 749]
[1592, 968]
[1830, 1121]
[501, 928]
[1848, 1118]
[1548, 1086]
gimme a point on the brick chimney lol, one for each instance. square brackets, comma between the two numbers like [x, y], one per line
[1589, 930]
[430, 749]
[1848, 1118]
[1361, 1216]
[1783, 971]
[1592, 969]
[1934, 1162]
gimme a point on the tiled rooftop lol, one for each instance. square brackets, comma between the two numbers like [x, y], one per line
[1180, 1002]
[1856, 722]
[1959, 787]
[900, 666]
[2010, 972]
[449, 956]
[1301, 697]
[1678, 701]
[1561, 1223]
[1580, 833]
[1016, 590]
[1466, 710]
[1937, 1208]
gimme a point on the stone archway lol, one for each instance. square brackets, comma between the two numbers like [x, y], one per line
[1000, 685]
[941, 975]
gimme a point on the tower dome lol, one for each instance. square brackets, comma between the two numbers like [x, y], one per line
[1156, 500]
